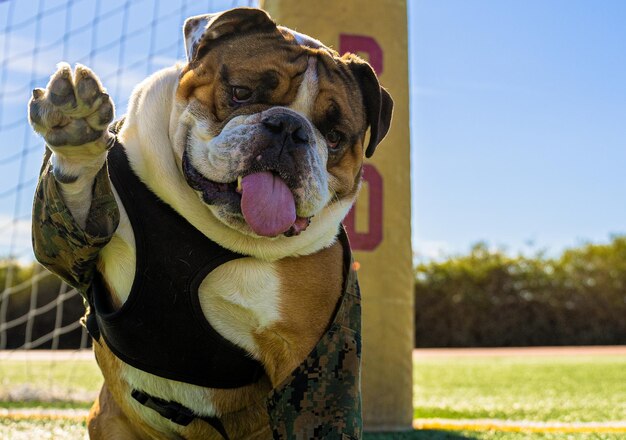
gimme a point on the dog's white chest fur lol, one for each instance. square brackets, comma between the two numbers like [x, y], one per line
[247, 290]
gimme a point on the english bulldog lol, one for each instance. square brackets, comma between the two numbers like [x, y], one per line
[251, 150]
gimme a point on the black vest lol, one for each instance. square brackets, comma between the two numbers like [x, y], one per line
[161, 329]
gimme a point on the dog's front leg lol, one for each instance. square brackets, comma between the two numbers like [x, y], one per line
[72, 114]
[74, 211]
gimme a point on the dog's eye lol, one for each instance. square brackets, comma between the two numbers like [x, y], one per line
[333, 138]
[241, 94]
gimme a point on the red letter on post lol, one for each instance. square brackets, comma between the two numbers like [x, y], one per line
[363, 43]
[369, 240]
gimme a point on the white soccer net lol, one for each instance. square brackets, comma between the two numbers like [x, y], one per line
[122, 41]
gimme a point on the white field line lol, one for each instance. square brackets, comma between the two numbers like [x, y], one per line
[519, 426]
[79, 415]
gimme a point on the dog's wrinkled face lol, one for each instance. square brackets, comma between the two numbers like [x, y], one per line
[274, 122]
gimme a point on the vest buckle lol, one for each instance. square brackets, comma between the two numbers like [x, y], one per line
[172, 411]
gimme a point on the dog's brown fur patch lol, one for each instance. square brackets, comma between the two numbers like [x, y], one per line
[311, 286]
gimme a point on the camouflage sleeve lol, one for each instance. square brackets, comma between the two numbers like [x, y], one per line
[59, 243]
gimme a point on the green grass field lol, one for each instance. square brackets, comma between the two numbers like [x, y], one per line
[564, 389]
[48, 384]
[532, 388]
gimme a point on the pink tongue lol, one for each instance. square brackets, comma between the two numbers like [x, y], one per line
[267, 204]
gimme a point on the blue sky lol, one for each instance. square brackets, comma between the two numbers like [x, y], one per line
[518, 123]
[518, 110]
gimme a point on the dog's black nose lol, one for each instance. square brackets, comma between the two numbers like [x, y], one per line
[286, 127]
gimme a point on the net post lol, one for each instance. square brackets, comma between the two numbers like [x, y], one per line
[377, 31]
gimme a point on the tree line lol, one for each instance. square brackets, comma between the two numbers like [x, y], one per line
[490, 299]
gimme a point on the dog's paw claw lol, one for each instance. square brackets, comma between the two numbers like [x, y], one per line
[38, 93]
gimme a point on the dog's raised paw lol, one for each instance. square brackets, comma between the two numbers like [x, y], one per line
[74, 109]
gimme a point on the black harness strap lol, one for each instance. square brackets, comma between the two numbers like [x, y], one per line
[177, 413]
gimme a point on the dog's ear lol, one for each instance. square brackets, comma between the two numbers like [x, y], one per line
[202, 30]
[302, 39]
[378, 102]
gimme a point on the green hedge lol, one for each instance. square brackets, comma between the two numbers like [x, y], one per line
[488, 299]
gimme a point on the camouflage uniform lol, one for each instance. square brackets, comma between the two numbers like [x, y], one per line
[321, 399]
[59, 243]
